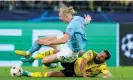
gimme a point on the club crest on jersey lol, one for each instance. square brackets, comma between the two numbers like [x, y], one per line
[88, 53]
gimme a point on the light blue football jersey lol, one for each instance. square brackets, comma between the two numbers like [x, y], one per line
[75, 29]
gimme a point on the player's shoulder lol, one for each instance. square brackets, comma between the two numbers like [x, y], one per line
[77, 17]
[89, 55]
[74, 19]
[91, 52]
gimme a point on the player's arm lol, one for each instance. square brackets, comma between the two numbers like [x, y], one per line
[87, 57]
[106, 72]
[108, 75]
[45, 39]
[69, 32]
[82, 67]
[62, 40]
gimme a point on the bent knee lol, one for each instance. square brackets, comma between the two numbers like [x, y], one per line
[43, 61]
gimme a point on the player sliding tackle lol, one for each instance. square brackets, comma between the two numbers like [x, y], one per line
[90, 64]
[73, 40]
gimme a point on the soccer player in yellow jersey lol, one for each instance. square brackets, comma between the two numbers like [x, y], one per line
[90, 64]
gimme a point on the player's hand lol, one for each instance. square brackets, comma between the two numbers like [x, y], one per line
[41, 41]
[87, 18]
[109, 75]
[106, 77]
[84, 76]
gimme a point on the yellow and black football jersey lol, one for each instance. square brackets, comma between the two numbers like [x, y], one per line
[92, 69]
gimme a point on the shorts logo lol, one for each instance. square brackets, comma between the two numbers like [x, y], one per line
[67, 59]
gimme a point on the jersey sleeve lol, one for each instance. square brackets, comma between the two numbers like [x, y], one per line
[88, 55]
[104, 69]
[83, 21]
[71, 28]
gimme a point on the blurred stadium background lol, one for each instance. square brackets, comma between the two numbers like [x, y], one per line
[22, 22]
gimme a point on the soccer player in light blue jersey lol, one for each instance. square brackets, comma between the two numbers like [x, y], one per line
[72, 42]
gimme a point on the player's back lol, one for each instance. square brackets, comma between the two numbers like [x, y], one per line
[78, 38]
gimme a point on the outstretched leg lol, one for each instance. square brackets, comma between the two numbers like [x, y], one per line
[41, 55]
[43, 74]
[36, 46]
[50, 59]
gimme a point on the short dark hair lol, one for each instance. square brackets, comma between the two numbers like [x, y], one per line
[108, 55]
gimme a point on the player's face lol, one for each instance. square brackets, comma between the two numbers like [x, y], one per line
[100, 58]
[62, 17]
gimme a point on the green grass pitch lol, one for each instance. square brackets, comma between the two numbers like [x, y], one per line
[119, 73]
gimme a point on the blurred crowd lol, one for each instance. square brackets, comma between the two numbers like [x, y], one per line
[94, 6]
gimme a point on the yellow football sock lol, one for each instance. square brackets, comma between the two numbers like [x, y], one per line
[50, 52]
[44, 54]
[44, 66]
[22, 53]
[39, 74]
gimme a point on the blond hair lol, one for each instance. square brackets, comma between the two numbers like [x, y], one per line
[67, 10]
